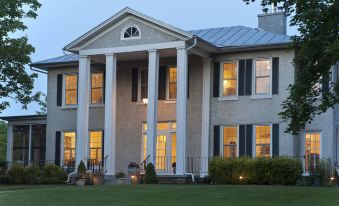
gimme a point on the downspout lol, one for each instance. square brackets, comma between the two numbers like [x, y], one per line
[190, 47]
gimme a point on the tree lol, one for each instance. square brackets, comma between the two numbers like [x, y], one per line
[316, 50]
[15, 83]
[43, 105]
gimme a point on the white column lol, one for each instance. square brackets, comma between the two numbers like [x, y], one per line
[9, 152]
[181, 109]
[30, 144]
[83, 110]
[110, 113]
[206, 92]
[152, 106]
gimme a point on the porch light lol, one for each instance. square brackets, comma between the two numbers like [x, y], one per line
[241, 177]
[332, 178]
[145, 101]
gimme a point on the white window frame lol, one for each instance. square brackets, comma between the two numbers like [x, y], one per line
[127, 27]
[303, 141]
[62, 146]
[167, 83]
[64, 105]
[222, 138]
[103, 90]
[221, 80]
[139, 83]
[261, 96]
[89, 140]
[254, 138]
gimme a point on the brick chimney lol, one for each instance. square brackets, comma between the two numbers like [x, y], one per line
[274, 20]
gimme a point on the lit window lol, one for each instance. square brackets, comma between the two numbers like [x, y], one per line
[312, 152]
[263, 141]
[230, 141]
[96, 146]
[131, 32]
[262, 76]
[230, 79]
[97, 88]
[69, 147]
[172, 83]
[143, 83]
[71, 89]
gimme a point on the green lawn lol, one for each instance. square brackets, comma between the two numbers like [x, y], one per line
[173, 195]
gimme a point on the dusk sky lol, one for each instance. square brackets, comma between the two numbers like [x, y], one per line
[60, 22]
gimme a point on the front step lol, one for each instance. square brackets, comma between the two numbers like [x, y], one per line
[174, 179]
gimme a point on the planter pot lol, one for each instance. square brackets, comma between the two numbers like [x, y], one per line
[121, 181]
[98, 179]
[80, 182]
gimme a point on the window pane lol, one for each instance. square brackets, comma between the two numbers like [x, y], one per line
[69, 147]
[230, 79]
[96, 145]
[97, 88]
[71, 89]
[230, 142]
[172, 83]
[262, 141]
[312, 151]
[262, 76]
[38, 142]
[20, 143]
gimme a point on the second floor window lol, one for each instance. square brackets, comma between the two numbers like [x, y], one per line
[143, 83]
[97, 88]
[230, 80]
[71, 89]
[262, 76]
[172, 83]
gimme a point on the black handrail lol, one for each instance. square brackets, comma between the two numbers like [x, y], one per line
[144, 163]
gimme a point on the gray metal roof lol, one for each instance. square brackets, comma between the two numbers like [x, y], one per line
[223, 37]
[239, 36]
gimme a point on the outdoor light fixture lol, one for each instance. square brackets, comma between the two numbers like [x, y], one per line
[145, 101]
[332, 178]
[240, 178]
[133, 177]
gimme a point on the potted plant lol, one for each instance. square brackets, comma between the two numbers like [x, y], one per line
[98, 178]
[81, 174]
[120, 177]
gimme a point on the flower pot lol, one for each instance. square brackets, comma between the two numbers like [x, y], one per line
[98, 179]
[121, 181]
[80, 182]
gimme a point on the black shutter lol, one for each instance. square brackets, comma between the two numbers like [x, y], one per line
[103, 146]
[57, 147]
[249, 132]
[241, 140]
[241, 80]
[275, 75]
[104, 87]
[216, 141]
[188, 81]
[216, 79]
[275, 141]
[135, 74]
[162, 83]
[59, 90]
[248, 79]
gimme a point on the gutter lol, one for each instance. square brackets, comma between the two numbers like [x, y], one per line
[38, 70]
[193, 45]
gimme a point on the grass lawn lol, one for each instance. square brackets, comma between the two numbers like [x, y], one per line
[173, 195]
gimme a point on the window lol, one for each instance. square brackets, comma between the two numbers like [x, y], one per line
[131, 32]
[38, 142]
[172, 83]
[20, 143]
[230, 139]
[263, 141]
[262, 77]
[97, 88]
[71, 89]
[312, 151]
[96, 146]
[143, 83]
[69, 147]
[229, 79]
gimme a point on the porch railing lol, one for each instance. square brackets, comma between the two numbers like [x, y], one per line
[95, 165]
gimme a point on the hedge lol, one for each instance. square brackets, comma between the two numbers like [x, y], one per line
[278, 170]
[50, 174]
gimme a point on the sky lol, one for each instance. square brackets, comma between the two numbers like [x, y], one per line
[62, 21]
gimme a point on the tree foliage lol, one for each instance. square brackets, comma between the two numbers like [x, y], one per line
[43, 105]
[316, 50]
[15, 83]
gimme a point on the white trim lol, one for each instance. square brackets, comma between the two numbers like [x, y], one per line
[123, 31]
[221, 80]
[135, 48]
[254, 138]
[264, 95]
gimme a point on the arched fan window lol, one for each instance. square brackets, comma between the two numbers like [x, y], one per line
[131, 32]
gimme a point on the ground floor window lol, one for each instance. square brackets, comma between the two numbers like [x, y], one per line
[38, 146]
[165, 146]
[230, 141]
[69, 147]
[96, 146]
[21, 143]
[262, 140]
[311, 151]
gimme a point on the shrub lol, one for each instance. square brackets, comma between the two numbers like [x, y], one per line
[120, 175]
[16, 175]
[150, 175]
[280, 170]
[32, 175]
[52, 174]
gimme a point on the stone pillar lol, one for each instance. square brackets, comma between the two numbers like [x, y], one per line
[110, 114]
[152, 106]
